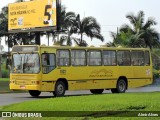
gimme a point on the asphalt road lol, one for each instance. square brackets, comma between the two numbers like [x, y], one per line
[6, 99]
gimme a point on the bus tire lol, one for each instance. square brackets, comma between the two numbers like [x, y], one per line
[97, 91]
[60, 89]
[120, 87]
[34, 93]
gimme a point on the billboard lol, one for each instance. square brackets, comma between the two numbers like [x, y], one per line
[38, 14]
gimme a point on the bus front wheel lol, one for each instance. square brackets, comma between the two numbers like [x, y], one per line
[34, 93]
[120, 87]
[97, 91]
[59, 89]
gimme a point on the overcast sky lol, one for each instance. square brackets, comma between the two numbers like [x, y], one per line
[109, 13]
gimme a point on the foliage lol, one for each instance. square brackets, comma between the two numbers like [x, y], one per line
[5, 72]
[156, 74]
[74, 25]
[68, 25]
[138, 34]
[88, 26]
[156, 63]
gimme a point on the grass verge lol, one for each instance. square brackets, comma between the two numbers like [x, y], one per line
[93, 106]
[4, 79]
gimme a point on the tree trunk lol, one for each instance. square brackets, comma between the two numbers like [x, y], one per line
[69, 39]
[8, 43]
[37, 40]
[81, 39]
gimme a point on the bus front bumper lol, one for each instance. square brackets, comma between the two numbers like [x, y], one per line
[24, 87]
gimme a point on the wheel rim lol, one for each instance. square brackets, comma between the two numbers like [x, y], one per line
[60, 89]
[122, 86]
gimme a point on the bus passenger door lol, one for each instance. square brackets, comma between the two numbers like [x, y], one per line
[48, 68]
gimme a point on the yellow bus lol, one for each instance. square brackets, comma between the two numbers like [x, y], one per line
[59, 68]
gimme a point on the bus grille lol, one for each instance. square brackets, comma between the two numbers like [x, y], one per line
[23, 79]
[22, 82]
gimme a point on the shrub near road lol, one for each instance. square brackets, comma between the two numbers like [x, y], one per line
[4, 85]
[128, 103]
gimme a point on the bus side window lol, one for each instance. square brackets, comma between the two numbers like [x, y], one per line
[123, 58]
[137, 58]
[109, 58]
[63, 57]
[78, 57]
[94, 58]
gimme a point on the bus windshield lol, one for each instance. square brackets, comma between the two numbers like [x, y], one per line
[26, 63]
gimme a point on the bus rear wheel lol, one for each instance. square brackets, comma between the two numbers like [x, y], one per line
[121, 87]
[34, 93]
[60, 89]
[97, 91]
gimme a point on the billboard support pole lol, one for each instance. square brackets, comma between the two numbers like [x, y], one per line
[37, 39]
[58, 14]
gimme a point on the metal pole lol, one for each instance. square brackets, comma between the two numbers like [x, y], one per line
[38, 38]
[48, 39]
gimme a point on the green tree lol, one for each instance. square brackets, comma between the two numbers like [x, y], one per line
[68, 26]
[138, 34]
[1, 48]
[74, 25]
[88, 26]
[4, 21]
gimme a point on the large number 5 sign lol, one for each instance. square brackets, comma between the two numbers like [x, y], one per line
[46, 13]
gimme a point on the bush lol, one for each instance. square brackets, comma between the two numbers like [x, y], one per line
[156, 77]
[5, 74]
[156, 73]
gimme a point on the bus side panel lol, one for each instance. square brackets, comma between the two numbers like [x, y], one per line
[92, 77]
[136, 75]
[78, 78]
[102, 84]
[142, 75]
[47, 86]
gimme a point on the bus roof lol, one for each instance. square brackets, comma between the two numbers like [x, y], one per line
[15, 48]
[92, 47]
